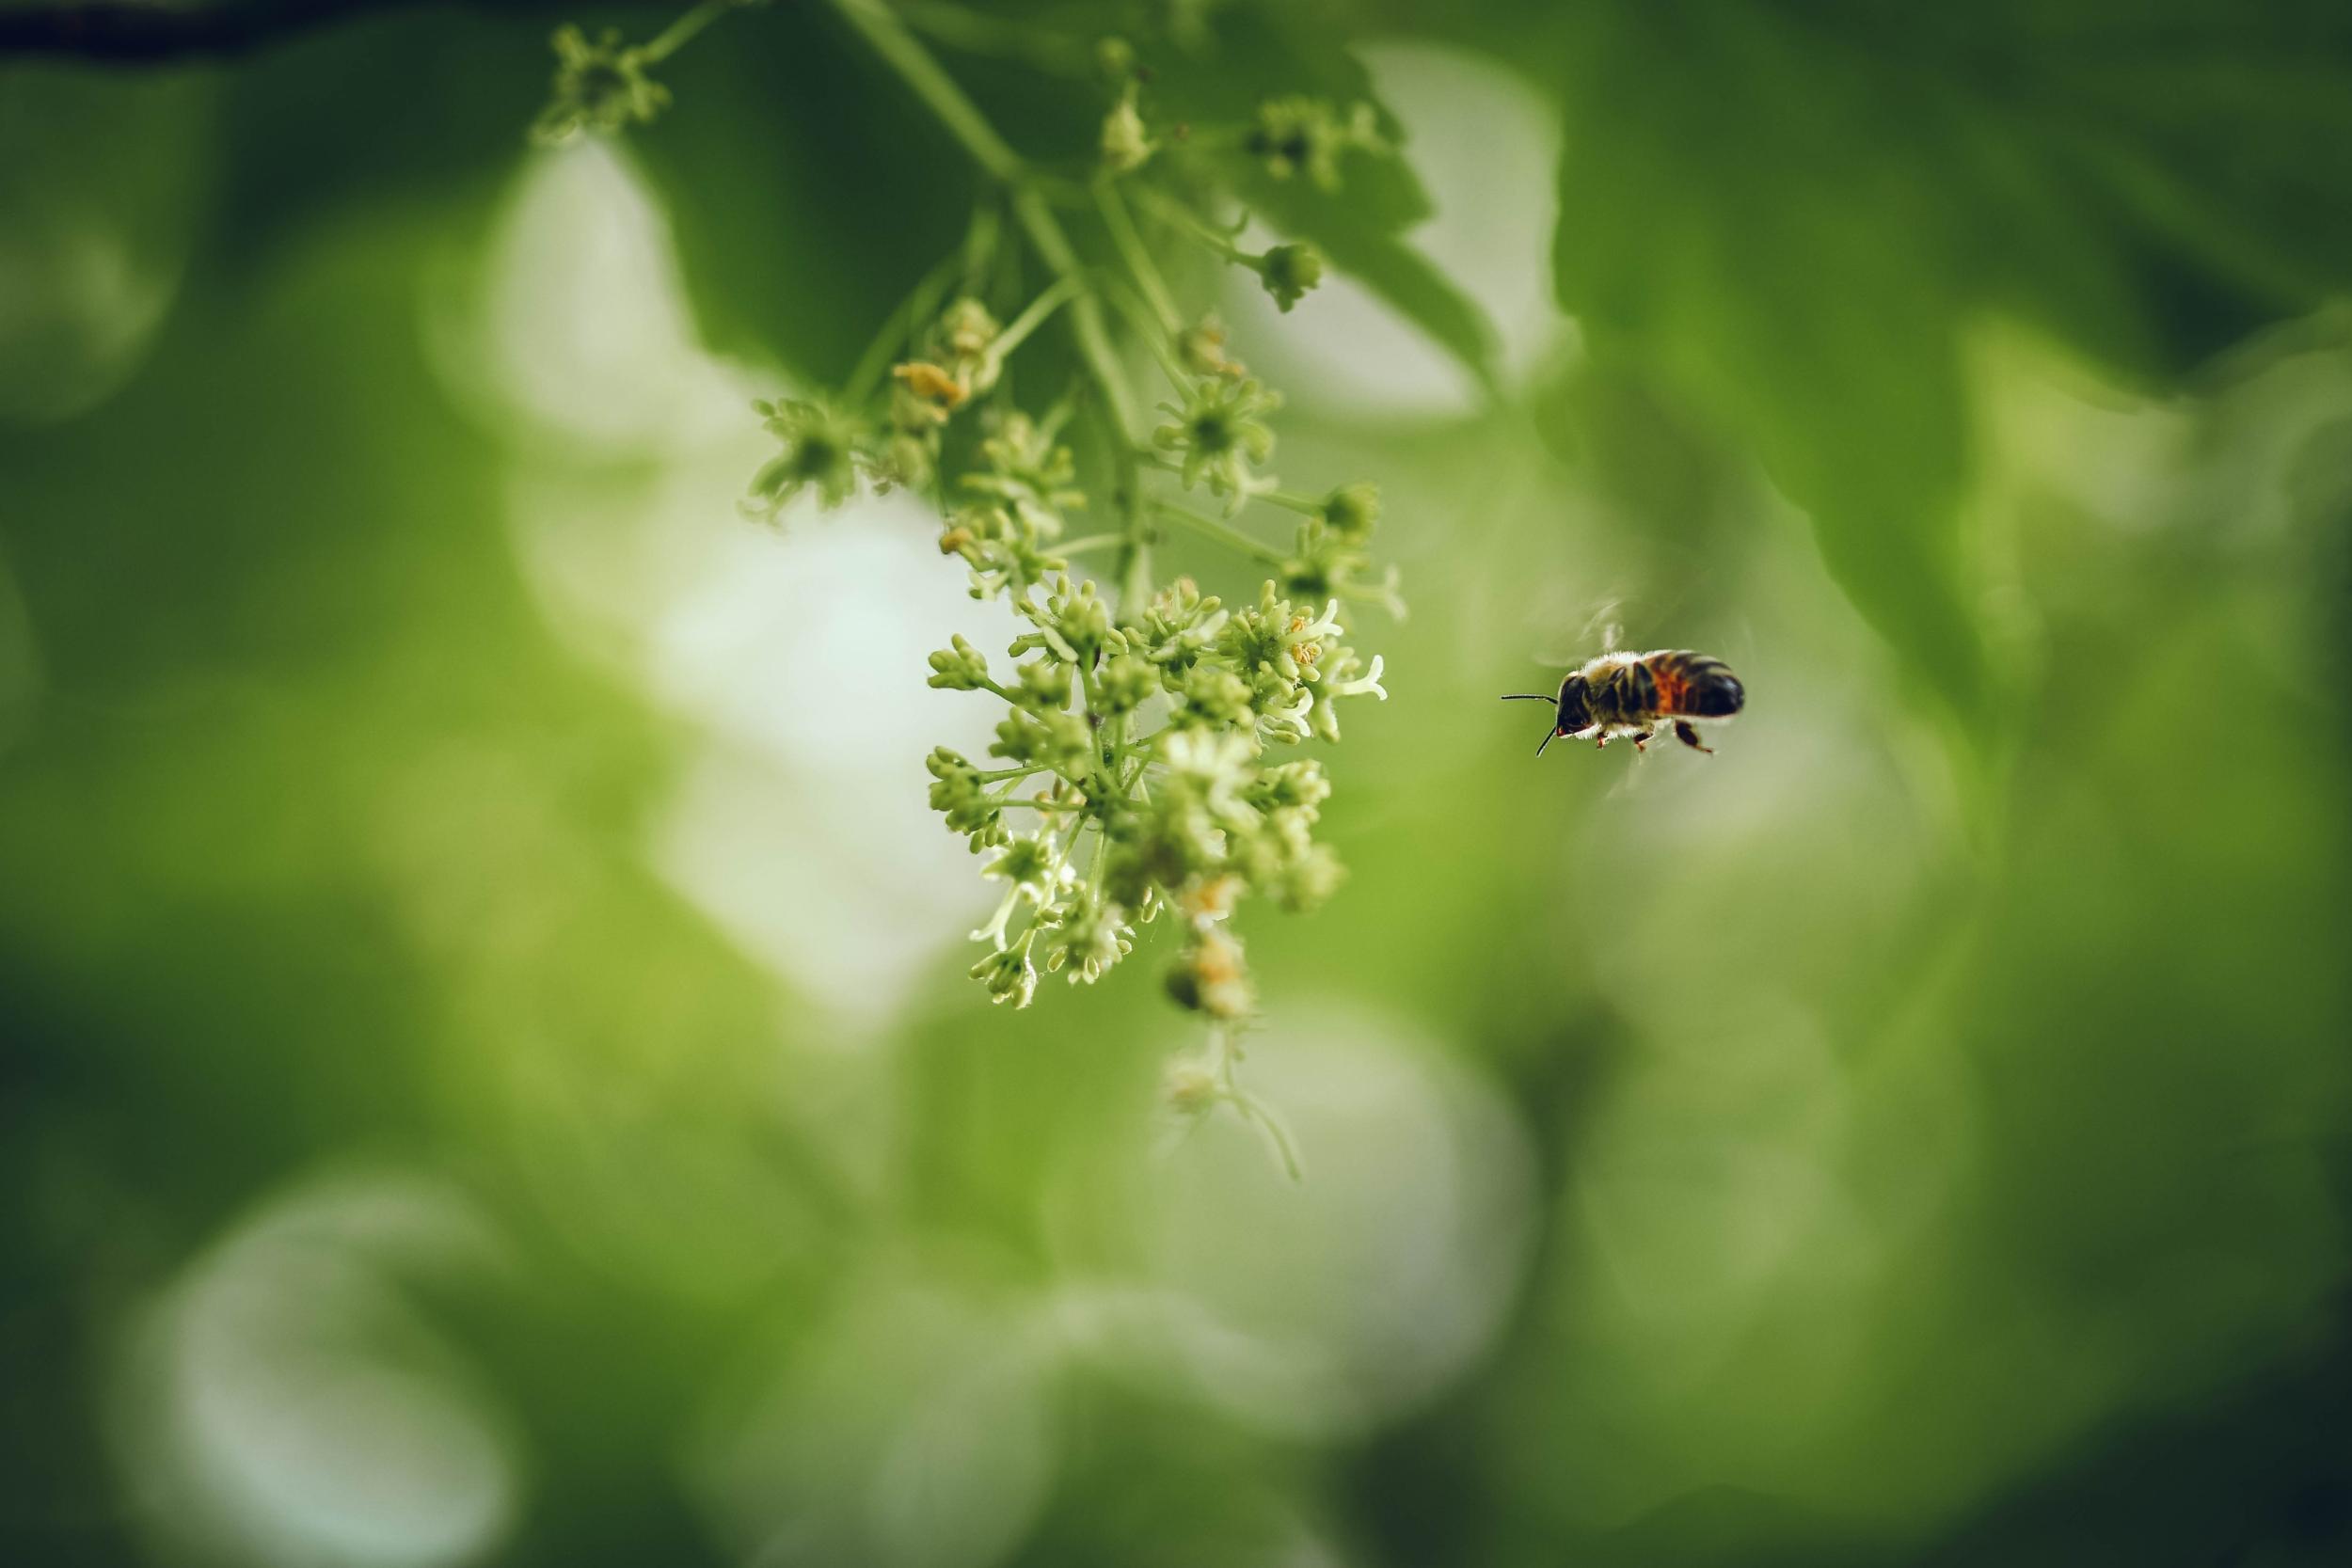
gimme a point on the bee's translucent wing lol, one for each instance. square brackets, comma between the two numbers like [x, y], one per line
[1576, 627]
[1605, 624]
[1636, 770]
[1602, 637]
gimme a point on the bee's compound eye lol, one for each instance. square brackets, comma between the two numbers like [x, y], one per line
[1576, 712]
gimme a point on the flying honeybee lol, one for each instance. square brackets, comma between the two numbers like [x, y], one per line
[1628, 696]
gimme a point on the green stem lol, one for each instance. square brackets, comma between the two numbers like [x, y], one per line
[1061, 190]
[1258, 1110]
[1311, 506]
[1135, 557]
[1223, 533]
[1102, 858]
[681, 32]
[1091, 542]
[1207, 233]
[980, 242]
[1146, 327]
[1031, 319]
[1105, 778]
[920, 301]
[1224, 1052]
[1086, 312]
[1058, 416]
[905, 54]
[958, 27]
[1139, 260]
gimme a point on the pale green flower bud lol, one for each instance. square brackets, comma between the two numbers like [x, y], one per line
[1350, 510]
[1009, 975]
[1213, 696]
[1289, 272]
[1044, 684]
[1127, 683]
[960, 668]
[1090, 934]
[1125, 144]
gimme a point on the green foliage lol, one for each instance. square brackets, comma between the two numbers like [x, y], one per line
[1809, 1155]
[93, 157]
[1797, 216]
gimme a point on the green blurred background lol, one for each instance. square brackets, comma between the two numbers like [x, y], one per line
[488, 1075]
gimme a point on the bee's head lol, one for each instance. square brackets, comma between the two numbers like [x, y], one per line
[1576, 710]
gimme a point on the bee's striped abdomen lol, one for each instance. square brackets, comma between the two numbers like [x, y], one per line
[1693, 686]
[1641, 690]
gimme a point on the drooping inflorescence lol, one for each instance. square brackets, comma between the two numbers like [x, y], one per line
[1145, 764]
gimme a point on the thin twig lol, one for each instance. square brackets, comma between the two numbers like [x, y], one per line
[1223, 533]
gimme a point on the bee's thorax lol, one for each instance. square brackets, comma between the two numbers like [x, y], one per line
[1632, 692]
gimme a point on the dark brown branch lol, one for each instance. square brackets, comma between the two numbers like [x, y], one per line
[150, 32]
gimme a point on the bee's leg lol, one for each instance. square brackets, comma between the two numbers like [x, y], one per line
[1643, 735]
[1689, 734]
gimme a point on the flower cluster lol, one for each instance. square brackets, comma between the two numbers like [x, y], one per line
[600, 85]
[1308, 135]
[959, 362]
[1186, 816]
[1144, 760]
[1138, 765]
[1328, 556]
[604, 85]
[821, 453]
[1219, 434]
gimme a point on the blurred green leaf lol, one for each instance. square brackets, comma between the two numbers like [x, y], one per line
[101, 204]
[1410, 282]
[382, 107]
[807, 190]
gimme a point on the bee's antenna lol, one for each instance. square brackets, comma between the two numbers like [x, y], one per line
[1527, 697]
[1547, 740]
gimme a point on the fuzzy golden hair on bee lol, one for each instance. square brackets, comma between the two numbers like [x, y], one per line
[1626, 696]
